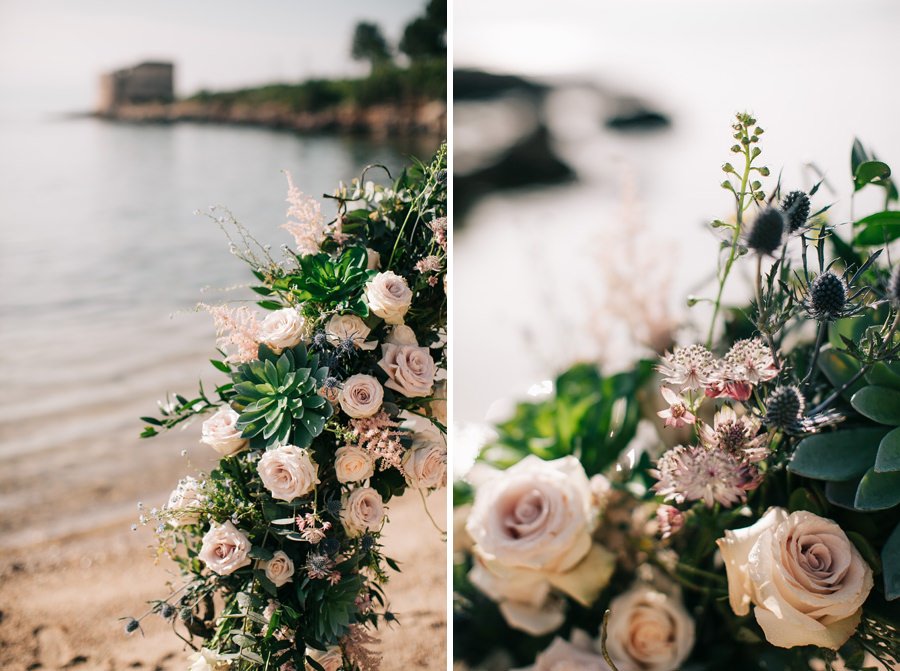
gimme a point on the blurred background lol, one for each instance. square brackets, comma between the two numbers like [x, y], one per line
[588, 145]
[117, 124]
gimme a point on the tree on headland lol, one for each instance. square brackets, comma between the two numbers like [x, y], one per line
[426, 37]
[369, 45]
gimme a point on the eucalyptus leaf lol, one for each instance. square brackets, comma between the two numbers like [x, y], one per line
[836, 456]
[878, 491]
[870, 172]
[880, 404]
[890, 562]
[888, 459]
[879, 228]
[839, 367]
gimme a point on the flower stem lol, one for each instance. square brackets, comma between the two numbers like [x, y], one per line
[428, 512]
[603, 635]
[811, 373]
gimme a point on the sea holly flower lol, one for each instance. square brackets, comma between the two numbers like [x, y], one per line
[677, 414]
[785, 410]
[697, 473]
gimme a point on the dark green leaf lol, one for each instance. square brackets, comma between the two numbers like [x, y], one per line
[839, 367]
[879, 228]
[888, 459]
[836, 456]
[880, 404]
[890, 561]
[878, 491]
[870, 172]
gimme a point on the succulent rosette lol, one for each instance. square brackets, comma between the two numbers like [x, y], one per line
[279, 545]
[746, 480]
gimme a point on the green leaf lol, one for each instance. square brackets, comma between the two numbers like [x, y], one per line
[882, 374]
[803, 499]
[842, 494]
[858, 155]
[878, 228]
[839, 367]
[313, 423]
[878, 491]
[890, 561]
[269, 305]
[259, 552]
[866, 550]
[888, 459]
[880, 404]
[870, 172]
[220, 365]
[836, 456]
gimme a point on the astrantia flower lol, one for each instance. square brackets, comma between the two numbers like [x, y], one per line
[746, 364]
[703, 474]
[677, 414]
[737, 435]
[687, 367]
[669, 519]
[319, 566]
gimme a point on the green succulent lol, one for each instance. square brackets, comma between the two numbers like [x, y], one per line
[278, 398]
[333, 283]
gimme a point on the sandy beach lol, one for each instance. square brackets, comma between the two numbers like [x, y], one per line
[72, 470]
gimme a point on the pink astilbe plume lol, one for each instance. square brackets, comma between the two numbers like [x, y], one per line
[305, 220]
[237, 332]
[358, 644]
[379, 435]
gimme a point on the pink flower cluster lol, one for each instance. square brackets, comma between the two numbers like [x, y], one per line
[237, 332]
[309, 531]
[380, 436]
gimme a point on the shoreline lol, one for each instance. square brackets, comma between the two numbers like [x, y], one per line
[415, 118]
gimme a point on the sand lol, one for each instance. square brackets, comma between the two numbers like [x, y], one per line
[72, 470]
[60, 602]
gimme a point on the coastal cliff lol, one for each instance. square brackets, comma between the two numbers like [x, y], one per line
[381, 119]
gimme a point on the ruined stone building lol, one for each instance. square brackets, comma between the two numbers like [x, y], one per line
[143, 83]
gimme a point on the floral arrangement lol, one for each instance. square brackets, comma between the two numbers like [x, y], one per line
[734, 503]
[334, 403]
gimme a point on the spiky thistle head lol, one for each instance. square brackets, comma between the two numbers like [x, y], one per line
[795, 207]
[784, 408]
[827, 297]
[766, 232]
[894, 287]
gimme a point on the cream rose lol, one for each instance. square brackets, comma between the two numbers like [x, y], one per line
[805, 578]
[206, 660]
[330, 660]
[410, 369]
[220, 432]
[389, 297]
[425, 463]
[280, 569]
[224, 549]
[577, 655]
[648, 631]
[184, 503]
[341, 328]
[536, 515]
[282, 329]
[373, 259]
[361, 396]
[363, 511]
[401, 334]
[288, 472]
[353, 464]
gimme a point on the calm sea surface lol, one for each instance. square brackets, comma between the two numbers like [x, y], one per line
[102, 259]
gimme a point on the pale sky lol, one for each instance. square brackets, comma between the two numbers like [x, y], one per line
[52, 51]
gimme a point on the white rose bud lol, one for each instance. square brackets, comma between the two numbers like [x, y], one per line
[806, 579]
[205, 660]
[282, 329]
[389, 297]
[363, 511]
[349, 327]
[648, 631]
[221, 433]
[185, 503]
[288, 472]
[224, 549]
[280, 569]
[410, 369]
[353, 464]
[361, 396]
